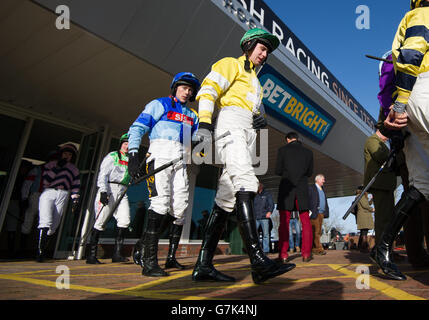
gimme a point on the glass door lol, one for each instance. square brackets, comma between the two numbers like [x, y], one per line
[12, 131]
[72, 223]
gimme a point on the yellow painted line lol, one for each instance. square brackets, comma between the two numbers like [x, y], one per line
[52, 284]
[47, 283]
[234, 286]
[159, 281]
[314, 279]
[87, 275]
[29, 272]
[46, 270]
[378, 285]
[11, 263]
[151, 295]
[141, 290]
[157, 294]
[54, 266]
[305, 265]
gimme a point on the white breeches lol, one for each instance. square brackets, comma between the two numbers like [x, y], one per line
[237, 152]
[168, 189]
[416, 147]
[103, 214]
[52, 204]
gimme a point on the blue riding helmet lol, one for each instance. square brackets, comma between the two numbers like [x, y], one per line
[186, 78]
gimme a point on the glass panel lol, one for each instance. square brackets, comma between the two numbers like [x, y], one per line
[43, 141]
[205, 192]
[88, 151]
[10, 131]
[203, 201]
[45, 138]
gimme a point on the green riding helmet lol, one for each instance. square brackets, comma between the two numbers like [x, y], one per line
[253, 36]
[124, 138]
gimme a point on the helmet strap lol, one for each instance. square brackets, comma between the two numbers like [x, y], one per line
[173, 101]
[247, 63]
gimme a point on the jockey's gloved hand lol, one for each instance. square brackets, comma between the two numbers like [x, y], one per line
[133, 164]
[204, 132]
[396, 141]
[104, 198]
[259, 121]
[75, 205]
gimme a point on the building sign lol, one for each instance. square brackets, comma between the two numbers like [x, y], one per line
[255, 13]
[283, 101]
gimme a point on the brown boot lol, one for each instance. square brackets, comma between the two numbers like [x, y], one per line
[364, 246]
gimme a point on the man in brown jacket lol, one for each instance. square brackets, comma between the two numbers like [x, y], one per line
[376, 153]
[319, 209]
[364, 219]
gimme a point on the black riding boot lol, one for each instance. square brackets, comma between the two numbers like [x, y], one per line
[150, 254]
[138, 251]
[138, 247]
[93, 244]
[119, 243]
[42, 244]
[263, 268]
[176, 232]
[381, 254]
[204, 269]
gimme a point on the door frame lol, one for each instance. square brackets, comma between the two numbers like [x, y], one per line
[87, 198]
[15, 168]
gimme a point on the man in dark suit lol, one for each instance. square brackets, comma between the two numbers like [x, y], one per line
[319, 210]
[295, 166]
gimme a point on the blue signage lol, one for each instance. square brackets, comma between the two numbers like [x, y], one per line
[283, 101]
[256, 13]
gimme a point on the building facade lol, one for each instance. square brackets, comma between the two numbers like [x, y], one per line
[81, 72]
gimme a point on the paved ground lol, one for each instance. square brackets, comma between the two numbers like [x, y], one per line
[330, 277]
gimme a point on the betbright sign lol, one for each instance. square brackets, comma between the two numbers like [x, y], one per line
[255, 13]
[283, 101]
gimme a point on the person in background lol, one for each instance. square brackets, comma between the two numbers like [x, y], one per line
[263, 205]
[61, 180]
[295, 166]
[31, 190]
[376, 152]
[417, 226]
[16, 208]
[294, 225]
[112, 181]
[410, 53]
[319, 209]
[364, 220]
